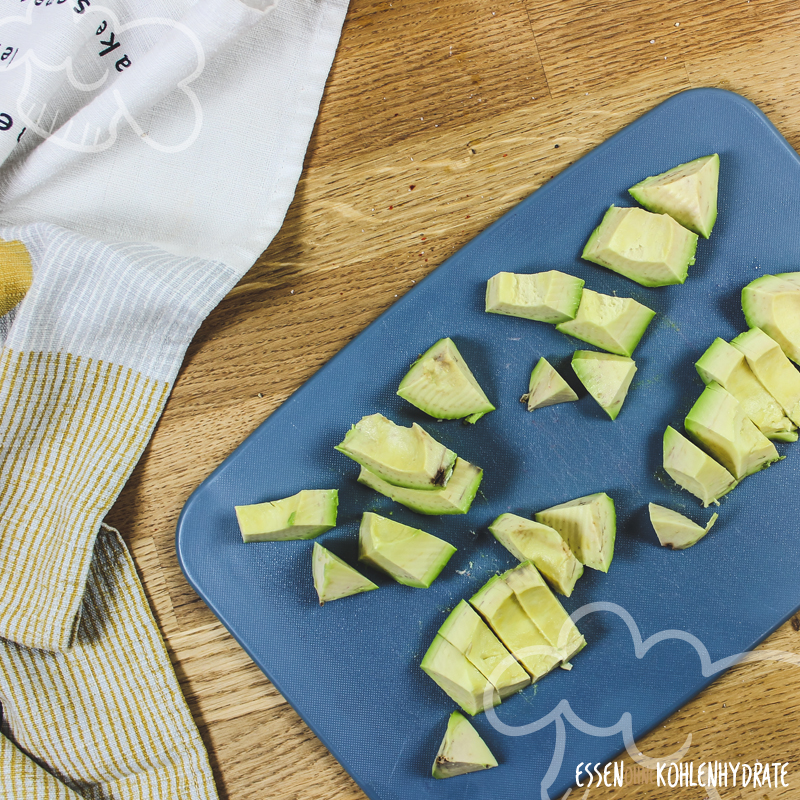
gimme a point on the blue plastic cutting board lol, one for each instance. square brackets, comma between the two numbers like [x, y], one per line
[351, 668]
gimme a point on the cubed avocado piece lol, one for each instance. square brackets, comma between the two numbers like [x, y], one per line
[441, 384]
[772, 303]
[771, 366]
[462, 750]
[546, 387]
[457, 678]
[607, 377]
[651, 249]
[455, 498]
[527, 540]
[726, 365]
[302, 516]
[465, 629]
[550, 296]
[688, 193]
[588, 525]
[334, 578]
[407, 457]
[674, 530]
[411, 556]
[718, 423]
[694, 470]
[499, 606]
[615, 324]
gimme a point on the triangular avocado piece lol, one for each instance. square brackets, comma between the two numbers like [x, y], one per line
[606, 377]
[688, 193]
[334, 578]
[462, 750]
[441, 384]
[547, 387]
[676, 531]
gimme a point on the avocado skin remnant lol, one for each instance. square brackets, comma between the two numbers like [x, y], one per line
[462, 750]
[302, 516]
[674, 530]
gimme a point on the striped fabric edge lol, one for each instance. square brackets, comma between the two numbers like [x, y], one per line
[23, 779]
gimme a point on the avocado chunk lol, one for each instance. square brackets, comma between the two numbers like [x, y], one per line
[496, 602]
[411, 556]
[772, 303]
[457, 678]
[551, 296]
[462, 750]
[615, 324]
[455, 498]
[688, 193]
[651, 249]
[441, 384]
[527, 540]
[547, 387]
[606, 377]
[543, 608]
[718, 423]
[334, 578]
[468, 633]
[676, 531]
[407, 457]
[770, 365]
[694, 470]
[302, 516]
[588, 525]
[727, 365]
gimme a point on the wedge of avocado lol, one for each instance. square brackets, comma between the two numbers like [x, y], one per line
[547, 387]
[688, 193]
[727, 365]
[411, 556]
[674, 530]
[615, 324]
[718, 423]
[772, 303]
[607, 378]
[527, 540]
[302, 516]
[334, 578]
[588, 525]
[550, 296]
[455, 498]
[441, 384]
[694, 470]
[462, 750]
[651, 249]
[407, 457]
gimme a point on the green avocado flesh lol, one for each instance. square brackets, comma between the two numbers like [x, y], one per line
[694, 470]
[547, 387]
[615, 324]
[455, 498]
[676, 531]
[772, 303]
[718, 423]
[407, 457]
[462, 750]
[470, 635]
[544, 296]
[302, 516]
[441, 384]
[770, 365]
[527, 540]
[588, 525]
[334, 578]
[411, 556]
[726, 365]
[606, 377]
[455, 675]
[688, 193]
[651, 249]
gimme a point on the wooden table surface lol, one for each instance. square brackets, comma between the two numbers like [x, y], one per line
[439, 116]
